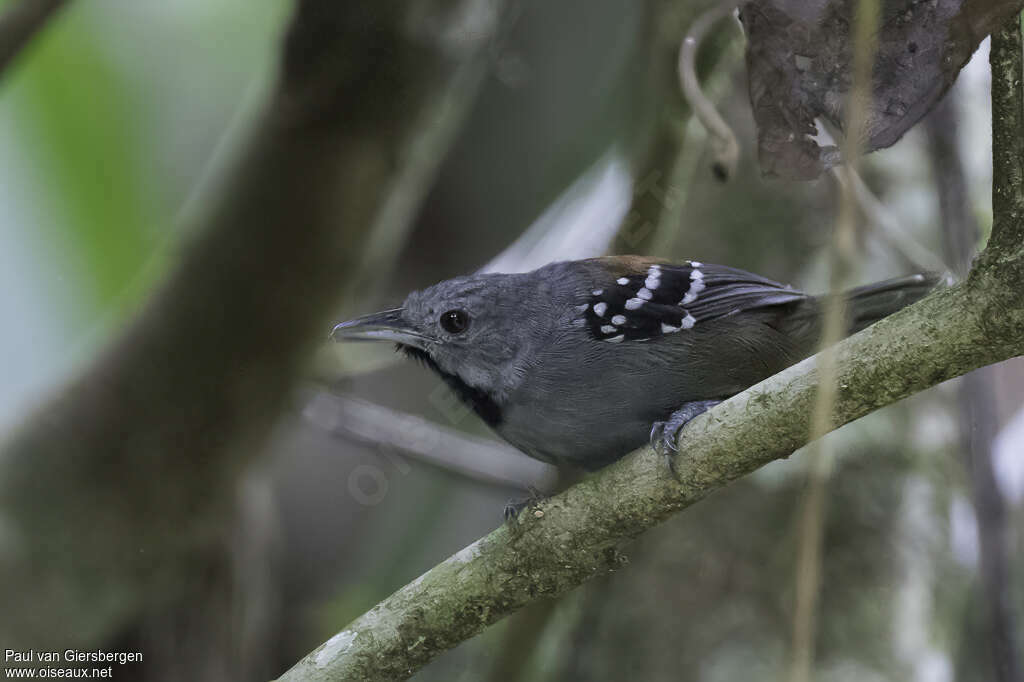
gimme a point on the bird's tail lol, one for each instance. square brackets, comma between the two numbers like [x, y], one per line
[864, 306]
[870, 303]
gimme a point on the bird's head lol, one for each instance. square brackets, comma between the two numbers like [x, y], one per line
[476, 330]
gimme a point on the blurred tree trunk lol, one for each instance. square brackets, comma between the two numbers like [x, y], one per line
[20, 22]
[117, 492]
[978, 408]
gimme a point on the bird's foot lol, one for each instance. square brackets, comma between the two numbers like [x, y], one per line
[665, 435]
[516, 505]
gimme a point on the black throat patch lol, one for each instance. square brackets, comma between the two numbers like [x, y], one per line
[481, 402]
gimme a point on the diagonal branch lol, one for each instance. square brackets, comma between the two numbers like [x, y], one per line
[20, 23]
[579, 533]
[398, 433]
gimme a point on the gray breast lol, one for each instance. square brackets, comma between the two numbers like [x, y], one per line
[595, 402]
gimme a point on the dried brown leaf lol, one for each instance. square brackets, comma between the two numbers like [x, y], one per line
[799, 62]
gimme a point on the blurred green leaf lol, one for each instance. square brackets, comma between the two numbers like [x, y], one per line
[80, 138]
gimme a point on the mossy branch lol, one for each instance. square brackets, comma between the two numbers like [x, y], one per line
[580, 533]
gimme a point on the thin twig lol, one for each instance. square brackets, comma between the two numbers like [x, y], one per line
[481, 459]
[669, 234]
[723, 140]
[882, 222]
[887, 226]
[842, 262]
[656, 154]
[20, 23]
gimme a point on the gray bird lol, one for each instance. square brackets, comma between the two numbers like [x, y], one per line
[581, 362]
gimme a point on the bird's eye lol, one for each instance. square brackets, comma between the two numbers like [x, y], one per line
[455, 321]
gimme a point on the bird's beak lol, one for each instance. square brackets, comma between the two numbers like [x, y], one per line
[387, 325]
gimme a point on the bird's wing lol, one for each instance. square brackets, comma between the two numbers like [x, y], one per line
[642, 299]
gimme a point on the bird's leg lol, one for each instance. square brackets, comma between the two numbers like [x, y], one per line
[664, 435]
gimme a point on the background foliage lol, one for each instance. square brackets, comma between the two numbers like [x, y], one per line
[110, 124]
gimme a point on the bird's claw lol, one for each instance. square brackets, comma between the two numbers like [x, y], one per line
[516, 505]
[665, 434]
[663, 442]
[664, 437]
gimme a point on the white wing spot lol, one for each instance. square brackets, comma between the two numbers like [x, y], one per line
[696, 287]
[634, 303]
[623, 281]
[668, 329]
[608, 329]
[597, 292]
[653, 280]
[695, 263]
[645, 294]
[600, 308]
[689, 321]
[615, 339]
[696, 274]
[619, 319]
[583, 307]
